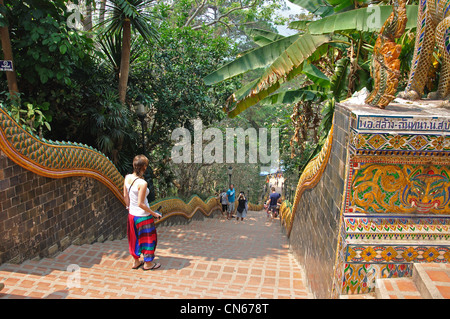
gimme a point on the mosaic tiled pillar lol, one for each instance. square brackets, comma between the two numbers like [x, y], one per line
[396, 207]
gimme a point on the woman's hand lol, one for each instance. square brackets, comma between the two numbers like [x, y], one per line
[156, 215]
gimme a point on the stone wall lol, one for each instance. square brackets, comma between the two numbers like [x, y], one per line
[315, 229]
[397, 201]
[40, 216]
[383, 202]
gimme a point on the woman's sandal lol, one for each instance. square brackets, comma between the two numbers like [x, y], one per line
[138, 266]
[155, 266]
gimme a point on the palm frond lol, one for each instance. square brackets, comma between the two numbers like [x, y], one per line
[134, 10]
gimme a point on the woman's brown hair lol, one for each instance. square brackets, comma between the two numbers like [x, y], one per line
[140, 163]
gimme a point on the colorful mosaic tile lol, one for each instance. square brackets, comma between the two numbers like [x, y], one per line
[397, 228]
[399, 142]
[405, 253]
[359, 278]
[381, 185]
[396, 203]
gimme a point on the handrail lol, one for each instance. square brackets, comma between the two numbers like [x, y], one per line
[56, 159]
[65, 159]
[309, 179]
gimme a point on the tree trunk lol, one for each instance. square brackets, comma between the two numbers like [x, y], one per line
[87, 23]
[8, 55]
[102, 11]
[125, 61]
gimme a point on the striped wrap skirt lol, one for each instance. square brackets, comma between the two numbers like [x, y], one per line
[142, 237]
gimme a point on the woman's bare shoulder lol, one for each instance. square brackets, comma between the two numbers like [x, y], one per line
[142, 182]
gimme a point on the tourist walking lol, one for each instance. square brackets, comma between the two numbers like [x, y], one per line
[241, 209]
[273, 205]
[141, 230]
[231, 196]
[223, 197]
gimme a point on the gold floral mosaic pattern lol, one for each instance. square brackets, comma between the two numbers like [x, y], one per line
[405, 253]
[403, 142]
[383, 187]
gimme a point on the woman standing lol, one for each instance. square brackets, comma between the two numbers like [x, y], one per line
[241, 209]
[224, 201]
[141, 230]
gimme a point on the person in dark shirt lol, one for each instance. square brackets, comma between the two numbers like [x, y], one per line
[241, 210]
[274, 197]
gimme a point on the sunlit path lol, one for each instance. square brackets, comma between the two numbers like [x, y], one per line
[211, 258]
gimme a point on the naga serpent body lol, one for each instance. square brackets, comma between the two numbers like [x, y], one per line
[385, 61]
[433, 29]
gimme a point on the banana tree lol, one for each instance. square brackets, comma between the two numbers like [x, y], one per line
[282, 59]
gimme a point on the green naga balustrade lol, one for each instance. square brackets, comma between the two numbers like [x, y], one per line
[56, 159]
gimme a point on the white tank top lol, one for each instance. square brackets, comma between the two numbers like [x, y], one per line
[134, 209]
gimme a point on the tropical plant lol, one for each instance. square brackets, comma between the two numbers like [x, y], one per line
[32, 117]
[111, 47]
[331, 54]
[122, 16]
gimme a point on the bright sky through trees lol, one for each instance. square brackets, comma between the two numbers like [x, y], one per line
[293, 9]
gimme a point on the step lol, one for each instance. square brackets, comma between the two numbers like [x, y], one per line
[209, 259]
[397, 288]
[105, 273]
[370, 295]
[432, 280]
[429, 281]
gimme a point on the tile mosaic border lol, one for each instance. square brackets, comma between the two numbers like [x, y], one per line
[359, 278]
[378, 141]
[397, 253]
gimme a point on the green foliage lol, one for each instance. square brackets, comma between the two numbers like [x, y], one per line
[47, 58]
[111, 48]
[68, 78]
[45, 50]
[133, 10]
[32, 117]
[329, 71]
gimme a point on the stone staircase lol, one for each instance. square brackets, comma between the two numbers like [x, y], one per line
[429, 281]
[214, 259]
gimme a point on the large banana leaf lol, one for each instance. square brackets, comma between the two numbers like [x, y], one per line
[291, 59]
[286, 67]
[324, 8]
[319, 7]
[310, 93]
[260, 57]
[283, 59]
[364, 19]
[263, 37]
[315, 75]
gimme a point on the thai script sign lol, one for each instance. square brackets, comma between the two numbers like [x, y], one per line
[375, 123]
[6, 65]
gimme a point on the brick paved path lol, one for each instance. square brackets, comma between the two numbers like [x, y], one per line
[213, 258]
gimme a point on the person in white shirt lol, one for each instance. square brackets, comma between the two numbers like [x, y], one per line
[141, 230]
[224, 201]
